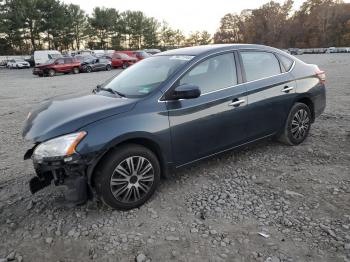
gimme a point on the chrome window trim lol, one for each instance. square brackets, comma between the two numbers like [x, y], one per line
[222, 52]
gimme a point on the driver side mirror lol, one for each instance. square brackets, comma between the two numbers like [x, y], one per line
[185, 91]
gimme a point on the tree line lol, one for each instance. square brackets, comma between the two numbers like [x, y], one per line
[317, 23]
[29, 25]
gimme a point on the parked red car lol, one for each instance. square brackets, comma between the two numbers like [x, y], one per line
[122, 60]
[137, 54]
[57, 65]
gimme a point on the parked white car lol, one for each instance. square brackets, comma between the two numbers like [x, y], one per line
[17, 63]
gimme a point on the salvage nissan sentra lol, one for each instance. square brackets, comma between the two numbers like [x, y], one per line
[168, 111]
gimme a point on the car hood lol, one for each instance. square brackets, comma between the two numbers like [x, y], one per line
[68, 114]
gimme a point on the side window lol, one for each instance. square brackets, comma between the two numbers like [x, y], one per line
[60, 61]
[213, 74]
[68, 60]
[286, 62]
[259, 65]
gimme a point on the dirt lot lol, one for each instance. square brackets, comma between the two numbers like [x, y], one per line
[297, 197]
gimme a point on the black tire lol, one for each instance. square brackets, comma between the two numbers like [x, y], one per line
[108, 67]
[125, 65]
[88, 69]
[106, 170]
[76, 70]
[51, 73]
[297, 126]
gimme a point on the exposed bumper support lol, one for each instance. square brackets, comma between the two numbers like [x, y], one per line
[72, 175]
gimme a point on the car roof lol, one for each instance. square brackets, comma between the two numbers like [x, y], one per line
[207, 49]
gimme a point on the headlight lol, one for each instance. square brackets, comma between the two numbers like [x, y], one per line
[58, 147]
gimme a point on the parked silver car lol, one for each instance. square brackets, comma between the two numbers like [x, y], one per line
[17, 63]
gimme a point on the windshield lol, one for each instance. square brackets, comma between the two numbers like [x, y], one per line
[142, 78]
[143, 54]
[51, 61]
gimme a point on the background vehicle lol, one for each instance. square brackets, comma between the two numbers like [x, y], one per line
[83, 58]
[17, 63]
[96, 64]
[168, 111]
[331, 50]
[58, 65]
[42, 56]
[30, 60]
[137, 54]
[122, 60]
[152, 51]
[295, 51]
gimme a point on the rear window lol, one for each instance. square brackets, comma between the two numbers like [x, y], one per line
[286, 62]
[258, 65]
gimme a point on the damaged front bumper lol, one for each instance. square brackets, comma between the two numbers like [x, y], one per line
[70, 172]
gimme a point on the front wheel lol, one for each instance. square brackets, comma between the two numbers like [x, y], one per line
[127, 177]
[297, 126]
[125, 65]
[88, 69]
[51, 73]
[108, 67]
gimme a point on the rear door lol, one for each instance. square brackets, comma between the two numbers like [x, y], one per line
[68, 64]
[271, 90]
[216, 120]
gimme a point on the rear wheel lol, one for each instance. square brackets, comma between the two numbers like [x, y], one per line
[75, 70]
[125, 65]
[297, 126]
[108, 67]
[127, 177]
[51, 72]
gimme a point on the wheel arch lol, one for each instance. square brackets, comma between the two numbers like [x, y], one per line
[145, 141]
[307, 101]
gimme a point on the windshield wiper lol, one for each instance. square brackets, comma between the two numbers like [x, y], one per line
[112, 91]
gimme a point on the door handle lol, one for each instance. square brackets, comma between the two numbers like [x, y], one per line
[286, 89]
[236, 102]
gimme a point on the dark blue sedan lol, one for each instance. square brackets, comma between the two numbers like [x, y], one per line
[167, 111]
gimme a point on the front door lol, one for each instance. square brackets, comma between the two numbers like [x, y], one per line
[59, 65]
[216, 120]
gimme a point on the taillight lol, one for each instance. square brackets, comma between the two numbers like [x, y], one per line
[321, 75]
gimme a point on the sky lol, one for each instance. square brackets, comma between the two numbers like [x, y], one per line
[186, 15]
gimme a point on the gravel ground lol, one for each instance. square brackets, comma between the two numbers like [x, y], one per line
[267, 202]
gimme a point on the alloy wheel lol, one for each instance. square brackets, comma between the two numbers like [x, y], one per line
[52, 72]
[132, 179]
[300, 124]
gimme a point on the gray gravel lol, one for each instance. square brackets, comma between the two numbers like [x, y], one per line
[267, 202]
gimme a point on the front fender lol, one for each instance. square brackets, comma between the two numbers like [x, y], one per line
[142, 122]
